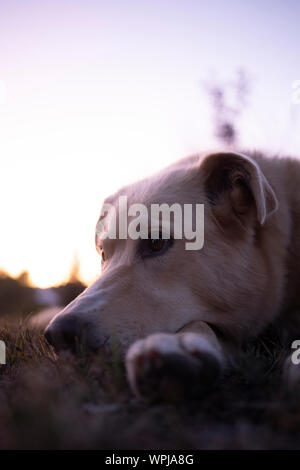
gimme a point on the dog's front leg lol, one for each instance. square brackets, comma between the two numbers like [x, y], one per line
[170, 366]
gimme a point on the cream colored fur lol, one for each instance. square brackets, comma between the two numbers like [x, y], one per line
[225, 293]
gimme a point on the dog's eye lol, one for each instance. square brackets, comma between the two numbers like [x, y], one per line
[155, 246]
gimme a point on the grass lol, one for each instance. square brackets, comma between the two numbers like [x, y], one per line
[48, 402]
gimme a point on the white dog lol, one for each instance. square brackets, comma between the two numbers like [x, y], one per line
[181, 311]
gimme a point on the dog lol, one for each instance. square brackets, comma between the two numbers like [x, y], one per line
[178, 314]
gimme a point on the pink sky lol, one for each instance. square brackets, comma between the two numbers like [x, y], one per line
[95, 94]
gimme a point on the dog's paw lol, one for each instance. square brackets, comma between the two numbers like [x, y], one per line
[170, 367]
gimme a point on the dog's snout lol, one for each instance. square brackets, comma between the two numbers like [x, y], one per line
[65, 334]
[48, 335]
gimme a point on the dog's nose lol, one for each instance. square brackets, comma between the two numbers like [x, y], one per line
[65, 333]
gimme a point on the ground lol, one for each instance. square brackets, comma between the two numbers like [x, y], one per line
[48, 402]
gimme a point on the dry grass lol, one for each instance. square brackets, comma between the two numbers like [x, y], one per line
[85, 403]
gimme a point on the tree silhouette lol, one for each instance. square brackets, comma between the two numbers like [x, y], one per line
[74, 275]
[228, 101]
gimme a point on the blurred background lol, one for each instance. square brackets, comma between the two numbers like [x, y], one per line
[96, 94]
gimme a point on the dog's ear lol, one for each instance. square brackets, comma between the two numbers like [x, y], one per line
[235, 182]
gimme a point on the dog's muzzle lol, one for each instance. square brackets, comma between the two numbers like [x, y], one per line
[68, 332]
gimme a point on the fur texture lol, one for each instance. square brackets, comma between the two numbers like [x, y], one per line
[226, 293]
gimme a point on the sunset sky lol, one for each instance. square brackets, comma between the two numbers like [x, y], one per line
[95, 94]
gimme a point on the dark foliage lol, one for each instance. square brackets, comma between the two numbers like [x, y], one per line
[85, 403]
[18, 297]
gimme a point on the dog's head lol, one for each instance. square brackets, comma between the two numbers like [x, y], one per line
[155, 284]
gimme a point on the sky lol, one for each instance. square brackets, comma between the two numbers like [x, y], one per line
[97, 94]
